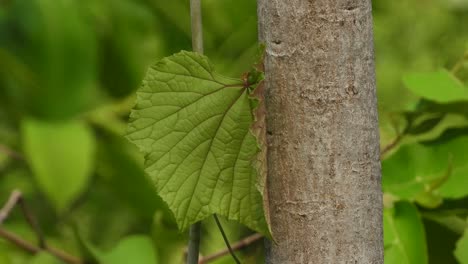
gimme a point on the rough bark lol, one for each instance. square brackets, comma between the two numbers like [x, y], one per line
[323, 143]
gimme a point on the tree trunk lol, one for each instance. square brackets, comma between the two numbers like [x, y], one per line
[323, 145]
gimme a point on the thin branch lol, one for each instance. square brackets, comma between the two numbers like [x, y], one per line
[19, 242]
[397, 139]
[226, 241]
[29, 247]
[32, 222]
[194, 243]
[236, 246]
[16, 198]
[197, 46]
[197, 29]
[391, 145]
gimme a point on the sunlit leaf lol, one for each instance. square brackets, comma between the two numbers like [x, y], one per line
[194, 127]
[136, 249]
[404, 236]
[61, 157]
[438, 169]
[440, 86]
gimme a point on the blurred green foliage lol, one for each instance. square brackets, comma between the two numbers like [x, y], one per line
[68, 70]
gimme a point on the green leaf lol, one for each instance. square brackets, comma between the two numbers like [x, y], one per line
[449, 219]
[61, 157]
[404, 236]
[44, 258]
[436, 133]
[137, 249]
[438, 170]
[429, 199]
[461, 251]
[440, 86]
[55, 50]
[128, 47]
[194, 127]
[137, 190]
[170, 243]
[422, 123]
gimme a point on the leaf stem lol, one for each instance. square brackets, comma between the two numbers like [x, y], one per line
[226, 241]
[197, 46]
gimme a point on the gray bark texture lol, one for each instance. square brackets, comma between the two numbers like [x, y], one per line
[324, 181]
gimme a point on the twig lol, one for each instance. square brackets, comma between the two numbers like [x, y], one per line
[32, 222]
[19, 242]
[397, 139]
[196, 22]
[237, 246]
[197, 46]
[194, 243]
[29, 247]
[392, 145]
[226, 241]
[16, 198]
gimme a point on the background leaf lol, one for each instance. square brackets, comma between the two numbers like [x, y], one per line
[416, 168]
[440, 86]
[440, 243]
[61, 156]
[56, 51]
[128, 44]
[404, 235]
[461, 252]
[138, 249]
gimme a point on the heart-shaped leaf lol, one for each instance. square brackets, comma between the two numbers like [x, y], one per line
[194, 126]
